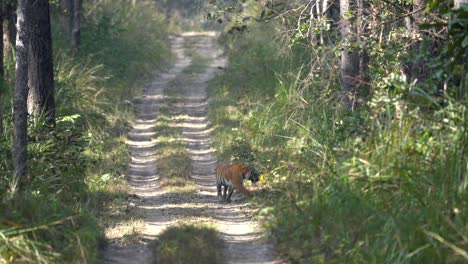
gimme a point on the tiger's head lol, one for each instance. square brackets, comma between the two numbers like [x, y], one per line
[252, 174]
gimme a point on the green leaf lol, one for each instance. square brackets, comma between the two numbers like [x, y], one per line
[70, 118]
[106, 177]
[465, 42]
[433, 4]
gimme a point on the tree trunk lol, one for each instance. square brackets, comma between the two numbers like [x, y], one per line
[323, 40]
[20, 114]
[67, 16]
[349, 59]
[2, 9]
[41, 73]
[364, 58]
[461, 91]
[312, 20]
[76, 31]
[418, 69]
[10, 33]
[72, 11]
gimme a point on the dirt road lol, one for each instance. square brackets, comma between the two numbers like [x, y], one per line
[161, 209]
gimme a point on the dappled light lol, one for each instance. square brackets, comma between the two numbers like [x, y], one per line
[241, 131]
[179, 137]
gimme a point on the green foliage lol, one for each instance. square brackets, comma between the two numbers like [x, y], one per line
[385, 183]
[256, 55]
[46, 232]
[130, 47]
[75, 166]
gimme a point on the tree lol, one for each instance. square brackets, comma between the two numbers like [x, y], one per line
[76, 31]
[67, 18]
[20, 110]
[349, 58]
[363, 55]
[2, 11]
[41, 72]
[72, 11]
[9, 34]
[418, 70]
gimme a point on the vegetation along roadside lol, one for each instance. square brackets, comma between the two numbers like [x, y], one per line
[355, 113]
[73, 191]
[361, 135]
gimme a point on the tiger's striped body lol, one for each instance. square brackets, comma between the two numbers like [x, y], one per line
[231, 177]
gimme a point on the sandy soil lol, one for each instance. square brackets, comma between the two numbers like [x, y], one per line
[162, 209]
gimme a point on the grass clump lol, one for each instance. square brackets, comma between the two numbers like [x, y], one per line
[178, 185]
[172, 154]
[189, 243]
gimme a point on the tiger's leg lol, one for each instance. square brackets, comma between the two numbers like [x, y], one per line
[224, 192]
[231, 190]
[218, 186]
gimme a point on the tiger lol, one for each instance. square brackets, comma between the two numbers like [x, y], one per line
[231, 176]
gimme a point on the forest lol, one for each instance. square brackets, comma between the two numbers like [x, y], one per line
[114, 113]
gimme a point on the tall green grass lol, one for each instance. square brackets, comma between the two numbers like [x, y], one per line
[386, 183]
[75, 167]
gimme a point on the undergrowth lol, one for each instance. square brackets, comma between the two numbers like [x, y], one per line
[385, 183]
[78, 194]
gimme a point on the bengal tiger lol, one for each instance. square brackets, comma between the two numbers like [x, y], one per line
[231, 176]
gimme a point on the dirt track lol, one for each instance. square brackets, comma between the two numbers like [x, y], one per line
[162, 209]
